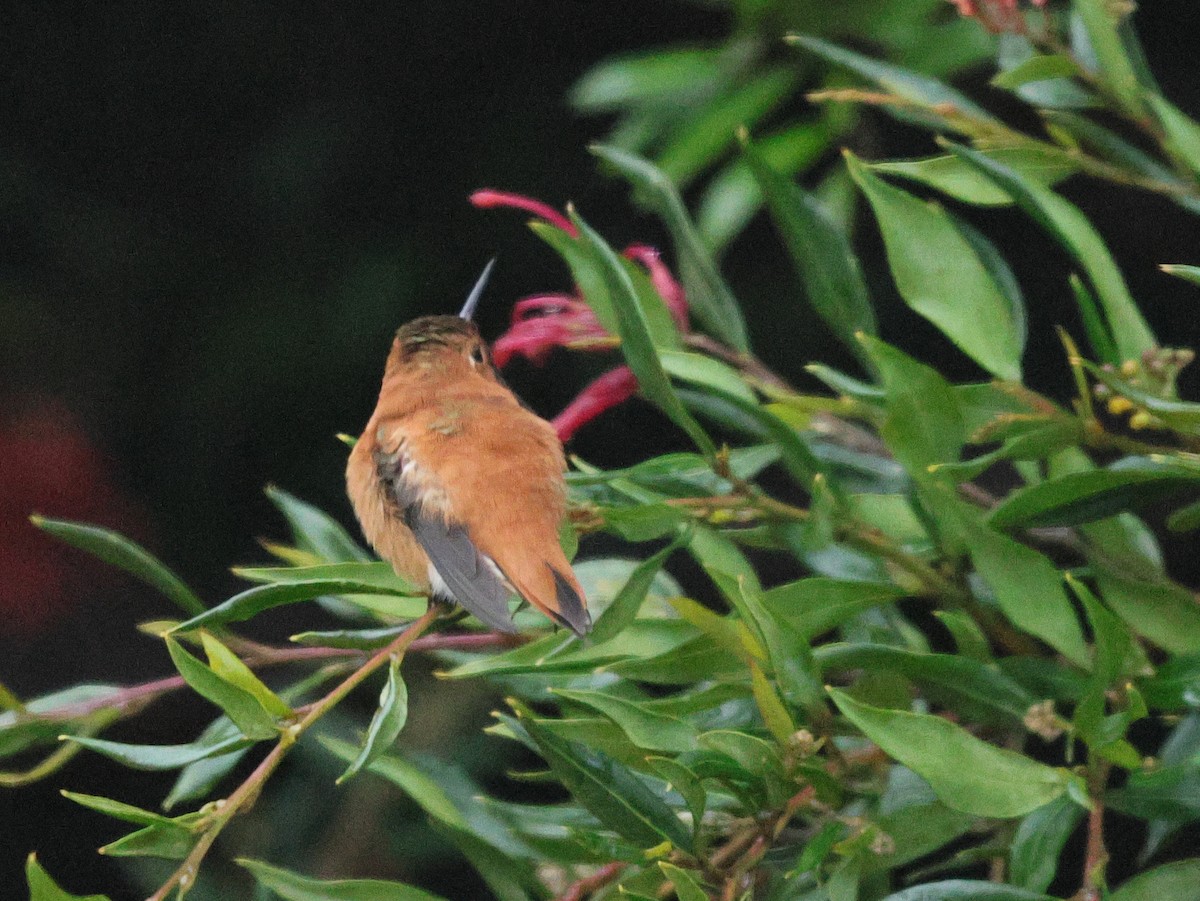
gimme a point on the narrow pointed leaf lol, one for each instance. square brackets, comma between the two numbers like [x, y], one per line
[1028, 588]
[43, 888]
[1039, 842]
[624, 607]
[387, 723]
[314, 530]
[228, 666]
[1081, 497]
[921, 90]
[1079, 238]
[708, 296]
[636, 343]
[237, 703]
[117, 550]
[294, 887]
[816, 605]
[159, 757]
[966, 890]
[828, 269]
[966, 773]
[645, 728]
[293, 589]
[613, 794]
[1179, 881]
[955, 178]
[927, 253]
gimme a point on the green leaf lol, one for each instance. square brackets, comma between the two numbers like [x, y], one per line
[1081, 497]
[683, 882]
[584, 271]
[119, 810]
[775, 715]
[1079, 238]
[628, 601]
[956, 178]
[686, 783]
[1038, 844]
[813, 606]
[1117, 71]
[170, 842]
[795, 455]
[1183, 133]
[918, 830]
[303, 583]
[661, 75]
[757, 757]
[159, 757]
[710, 132]
[924, 424]
[294, 887]
[613, 794]
[966, 890]
[230, 667]
[973, 688]
[358, 639]
[1039, 67]
[918, 89]
[509, 878]
[645, 728]
[43, 888]
[314, 530]
[636, 343]
[821, 254]
[709, 297]
[1179, 881]
[237, 703]
[926, 251]
[1187, 273]
[1175, 685]
[733, 196]
[1028, 588]
[1164, 612]
[788, 654]
[387, 722]
[705, 372]
[966, 773]
[1099, 336]
[411, 779]
[117, 550]
[198, 778]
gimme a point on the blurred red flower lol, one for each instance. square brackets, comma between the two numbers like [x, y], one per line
[997, 16]
[49, 465]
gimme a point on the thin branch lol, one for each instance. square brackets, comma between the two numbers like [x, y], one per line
[247, 793]
[583, 888]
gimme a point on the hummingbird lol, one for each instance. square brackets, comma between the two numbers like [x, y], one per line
[458, 485]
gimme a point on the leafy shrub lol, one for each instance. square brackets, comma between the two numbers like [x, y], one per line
[958, 685]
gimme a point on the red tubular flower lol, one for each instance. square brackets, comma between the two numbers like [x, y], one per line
[546, 321]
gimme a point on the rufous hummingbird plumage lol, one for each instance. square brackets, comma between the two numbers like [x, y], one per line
[458, 485]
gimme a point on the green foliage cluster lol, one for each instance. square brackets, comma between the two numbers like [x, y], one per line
[959, 686]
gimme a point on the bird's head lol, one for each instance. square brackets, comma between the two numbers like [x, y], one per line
[445, 343]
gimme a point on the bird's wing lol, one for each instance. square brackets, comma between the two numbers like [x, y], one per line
[471, 578]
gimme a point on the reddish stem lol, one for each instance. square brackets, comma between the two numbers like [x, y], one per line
[582, 888]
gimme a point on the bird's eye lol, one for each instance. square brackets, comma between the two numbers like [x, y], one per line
[476, 355]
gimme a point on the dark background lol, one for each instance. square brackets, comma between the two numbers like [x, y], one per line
[214, 215]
